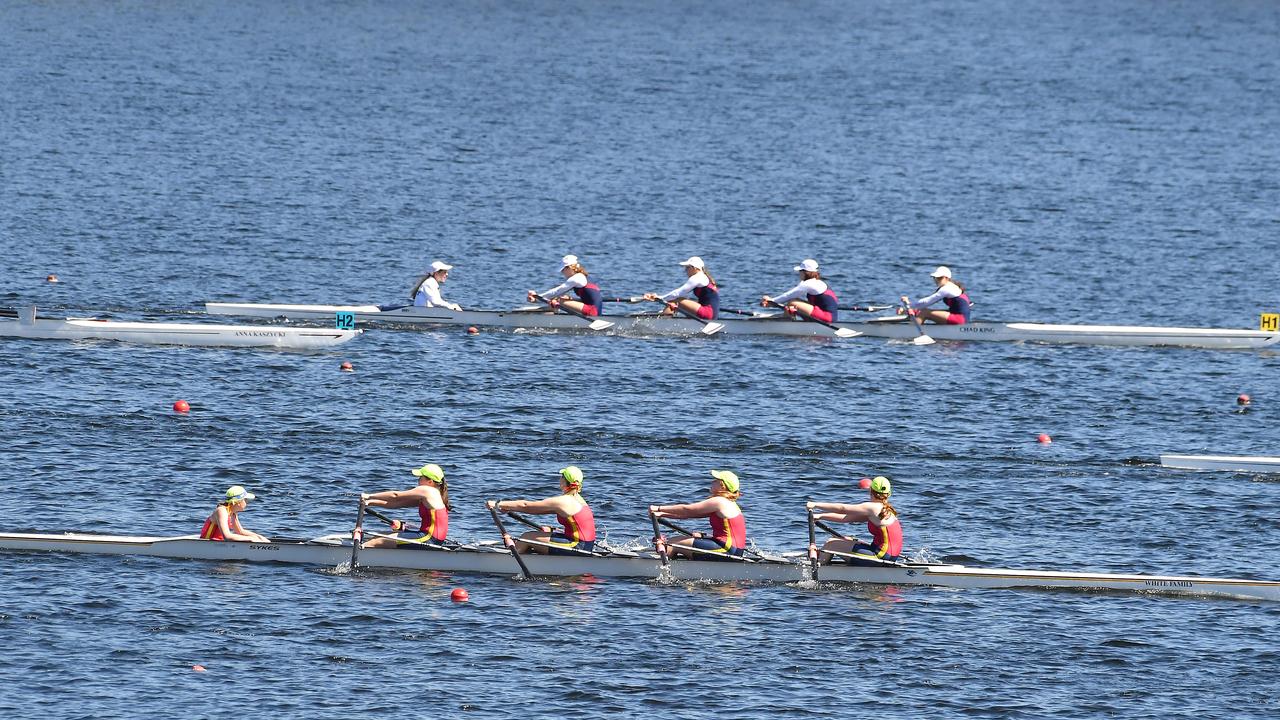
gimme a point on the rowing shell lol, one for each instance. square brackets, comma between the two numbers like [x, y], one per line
[285, 338]
[892, 327]
[333, 550]
[1236, 463]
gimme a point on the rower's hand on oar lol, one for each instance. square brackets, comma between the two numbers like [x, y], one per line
[765, 301]
[810, 505]
[533, 296]
[491, 504]
[651, 297]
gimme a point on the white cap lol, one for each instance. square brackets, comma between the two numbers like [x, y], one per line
[942, 271]
[568, 260]
[437, 266]
[694, 262]
[809, 265]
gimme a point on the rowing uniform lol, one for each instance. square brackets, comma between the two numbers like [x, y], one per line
[886, 542]
[579, 531]
[211, 531]
[817, 293]
[587, 292]
[700, 288]
[956, 300]
[428, 295]
[728, 536]
[433, 530]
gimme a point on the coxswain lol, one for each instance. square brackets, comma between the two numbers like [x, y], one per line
[698, 296]
[590, 301]
[728, 526]
[430, 496]
[819, 302]
[881, 519]
[427, 292]
[951, 293]
[224, 522]
[578, 535]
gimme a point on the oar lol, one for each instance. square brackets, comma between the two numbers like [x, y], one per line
[840, 332]
[593, 323]
[526, 521]
[709, 327]
[813, 550]
[396, 525]
[632, 299]
[867, 308]
[830, 529]
[920, 339]
[357, 535]
[659, 543]
[506, 540]
[748, 313]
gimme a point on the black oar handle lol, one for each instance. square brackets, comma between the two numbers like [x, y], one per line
[659, 543]
[357, 535]
[813, 549]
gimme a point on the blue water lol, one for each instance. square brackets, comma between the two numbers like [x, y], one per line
[1075, 161]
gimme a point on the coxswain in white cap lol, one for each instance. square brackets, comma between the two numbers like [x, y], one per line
[427, 291]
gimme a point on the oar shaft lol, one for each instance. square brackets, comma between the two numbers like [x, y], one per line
[506, 540]
[659, 543]
[357, 535]
[524, 520]
[813, 550]
[831, 530]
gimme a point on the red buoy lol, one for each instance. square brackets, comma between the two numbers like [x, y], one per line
[1243, 399]
[1044, 439]
[181, 406]
[51, 278]
[865, 483]
[346, 366]
[198, 668]
[459, 595]
[473, 330]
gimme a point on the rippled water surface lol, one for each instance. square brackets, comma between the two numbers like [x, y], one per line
[1077, 162]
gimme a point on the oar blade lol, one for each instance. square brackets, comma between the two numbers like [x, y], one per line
[600, 325]
[712, 328]
[923, 340]
[847, 333]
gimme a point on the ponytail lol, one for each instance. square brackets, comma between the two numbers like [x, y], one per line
[577, 268]
[444, 494]
[888, 508]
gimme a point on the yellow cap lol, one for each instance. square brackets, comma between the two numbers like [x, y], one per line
[726, 478]
[572, 475]
[880, 484]
[237, 492]
[429, 471]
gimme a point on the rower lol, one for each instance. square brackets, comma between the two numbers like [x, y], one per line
[820, 302]
[703, 296]
[575, 516]
[430, 496]
[590, 301]
[224, 522]
[427, 294]
[950, 292]
[882, 522]
[728, 525]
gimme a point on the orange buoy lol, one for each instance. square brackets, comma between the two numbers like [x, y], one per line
[865, 483]
[198, 668]
[1044, 439]
[459, 595]
[182, 406]
[473, 330]
[1243, 399]
[346, 366]
[51, 278]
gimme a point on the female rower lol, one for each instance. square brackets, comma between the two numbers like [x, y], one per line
[705, 296]
[950, 292]
[820, 302]
[224, 522]
[590, 301]
[881, 519]
[431, 497]
[728, 526]
[579, 533]
[427, 293]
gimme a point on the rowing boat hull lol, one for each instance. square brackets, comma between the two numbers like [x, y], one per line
[191, 334]
[334, 550]
[1233, 463]
[889, 328]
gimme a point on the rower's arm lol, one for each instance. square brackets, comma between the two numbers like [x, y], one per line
[396, 498]
[533, 507]
[689, 510]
